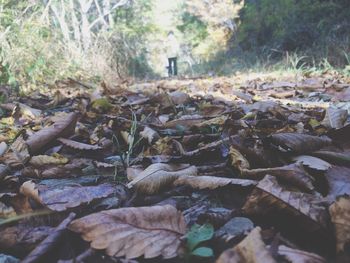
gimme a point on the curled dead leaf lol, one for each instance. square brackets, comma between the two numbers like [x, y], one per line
[159, 176]
[40, 160]
[133, 232]
[61, 128]
[212, 182]
[238, 161]
[293, 174]
[299, 143]
[78, 145]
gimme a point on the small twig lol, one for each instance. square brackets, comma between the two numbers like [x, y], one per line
[49, 242]
[81, 83]
[81, 258]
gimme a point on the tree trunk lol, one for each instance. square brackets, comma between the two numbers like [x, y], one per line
[85, 25]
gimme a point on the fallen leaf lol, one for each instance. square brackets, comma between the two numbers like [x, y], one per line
[78, 145]
[159, 176]
[340, 217]
[251, 250]
[299, 256]
[61, 199]
[299, 143]
[40, 160]
[339, 181]
[293, 174]
[3, 148]
[22, 238]
[234, 227]
[150, 135]
[18, 155]
[335, 118]
[133, 232]
[8, 259]
[62, 128]
[179, 97]
[238, 161]
[312, 162]
[333, 157]
[212, 182]
[269, 197]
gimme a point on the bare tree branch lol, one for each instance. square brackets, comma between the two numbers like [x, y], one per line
[119, 4]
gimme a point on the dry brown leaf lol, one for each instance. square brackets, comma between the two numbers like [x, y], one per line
[18, 155]
[3, 148]
[159, 176]
[133, 232]
[186, 121]
[214, 121]
[22, 238]
[62, 128]
[60, 199]
[339, 181]
[338, 158]
[179, 97]
[299, 143]
[269, 197]
[40, 160]
[209, 110]
[78, 145]
[313, 162]
[6, 211]
[340, 217]
[150, 135]
[299, 256]
[71, 169]
[335, 118]
[250, 250]
[238, 161]
[212, 182]
[4, 171]
[293, 174]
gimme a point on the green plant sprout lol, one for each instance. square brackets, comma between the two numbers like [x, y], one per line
[197, 235]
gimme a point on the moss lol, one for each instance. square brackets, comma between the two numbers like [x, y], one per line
[101, 105]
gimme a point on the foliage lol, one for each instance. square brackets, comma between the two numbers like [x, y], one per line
[45, 41]
[194, 28]
[276, 27]
[196, 235]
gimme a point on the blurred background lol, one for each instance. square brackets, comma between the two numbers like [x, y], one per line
[45, 40]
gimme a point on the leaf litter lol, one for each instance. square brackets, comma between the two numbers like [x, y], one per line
[186, 170]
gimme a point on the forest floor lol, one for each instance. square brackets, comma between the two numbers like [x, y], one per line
[242, 169]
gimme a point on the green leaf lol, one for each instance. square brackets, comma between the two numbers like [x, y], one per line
[198, 234]
[204, 252]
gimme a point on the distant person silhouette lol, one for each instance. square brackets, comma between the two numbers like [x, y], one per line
[172, 50]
